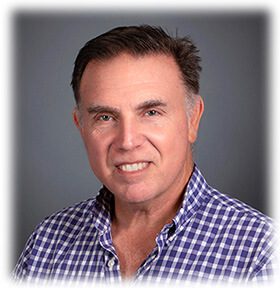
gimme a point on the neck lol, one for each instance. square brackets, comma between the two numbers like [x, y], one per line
[150, 214]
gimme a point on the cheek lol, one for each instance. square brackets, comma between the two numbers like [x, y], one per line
[171, 130]
[95, 148]
[170, 141]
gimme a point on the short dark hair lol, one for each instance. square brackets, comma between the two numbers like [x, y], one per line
[140, 41]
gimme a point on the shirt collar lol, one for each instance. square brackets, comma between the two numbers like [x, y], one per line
[193, 198]
[103, 209]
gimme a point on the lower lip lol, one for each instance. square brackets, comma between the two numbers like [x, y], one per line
[133, 172]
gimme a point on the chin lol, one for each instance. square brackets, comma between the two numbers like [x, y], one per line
[135, 195]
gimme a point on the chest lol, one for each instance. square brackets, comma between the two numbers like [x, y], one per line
[132, 250]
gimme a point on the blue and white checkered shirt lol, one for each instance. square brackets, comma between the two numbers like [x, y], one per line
[212, 237]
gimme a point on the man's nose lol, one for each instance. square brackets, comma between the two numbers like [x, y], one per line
[129, 135]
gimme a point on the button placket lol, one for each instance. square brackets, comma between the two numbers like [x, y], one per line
[112, 269]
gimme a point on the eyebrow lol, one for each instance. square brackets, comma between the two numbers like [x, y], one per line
[151, 104]
[95, 109]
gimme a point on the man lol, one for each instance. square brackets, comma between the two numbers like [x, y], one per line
[156, 218]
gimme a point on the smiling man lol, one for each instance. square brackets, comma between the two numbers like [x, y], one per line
[156, 218]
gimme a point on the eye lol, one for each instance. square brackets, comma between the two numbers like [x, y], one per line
[104, 118]
[152, 113]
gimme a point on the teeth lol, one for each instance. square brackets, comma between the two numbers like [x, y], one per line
[133, 167]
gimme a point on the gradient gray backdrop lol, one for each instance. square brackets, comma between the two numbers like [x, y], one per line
[51, 165]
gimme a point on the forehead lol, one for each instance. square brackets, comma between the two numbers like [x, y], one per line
[126, 74]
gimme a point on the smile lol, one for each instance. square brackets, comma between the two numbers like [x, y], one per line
[133, 167]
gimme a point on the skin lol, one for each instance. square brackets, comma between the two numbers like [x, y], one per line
[133, 110]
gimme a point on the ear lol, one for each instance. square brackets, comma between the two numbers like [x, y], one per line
[77, 118]
[194, 119]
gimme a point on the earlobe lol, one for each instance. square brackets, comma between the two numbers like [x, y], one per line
[195, 119]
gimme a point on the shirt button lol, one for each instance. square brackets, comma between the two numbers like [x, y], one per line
[111, 263]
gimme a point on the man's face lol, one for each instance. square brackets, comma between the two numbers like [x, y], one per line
[133, 121]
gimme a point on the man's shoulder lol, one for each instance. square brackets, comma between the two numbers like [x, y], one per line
[57, 235]
[68, 218]
[216, 205]
[235, 211]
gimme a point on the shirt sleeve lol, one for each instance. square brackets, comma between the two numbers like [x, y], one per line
[266, 272]
[266, 264]
[22, 267]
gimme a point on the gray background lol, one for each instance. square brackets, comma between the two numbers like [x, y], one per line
[51, 165]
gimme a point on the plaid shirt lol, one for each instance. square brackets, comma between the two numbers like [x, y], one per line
[212, 237]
